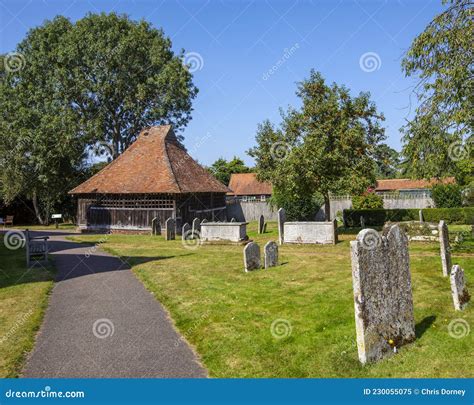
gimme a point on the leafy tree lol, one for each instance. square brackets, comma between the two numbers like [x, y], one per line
[324, 147]
[222, 169]
[438, 141]
[447, 195]
[367, 201]
[74, 85]
[387, 162]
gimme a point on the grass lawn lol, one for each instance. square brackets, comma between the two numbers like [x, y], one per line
[227, 315]
[23, 299]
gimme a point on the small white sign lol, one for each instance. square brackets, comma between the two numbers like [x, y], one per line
[56, 216]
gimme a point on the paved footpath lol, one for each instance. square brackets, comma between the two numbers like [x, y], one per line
[102, 322]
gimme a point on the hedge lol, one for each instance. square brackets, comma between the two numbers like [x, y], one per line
[377, 217]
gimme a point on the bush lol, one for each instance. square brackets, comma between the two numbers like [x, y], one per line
[447, 195]
[367, 201]
[378, 217]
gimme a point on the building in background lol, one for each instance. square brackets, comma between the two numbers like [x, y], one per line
[154, 177]
[246, 187]
[408, 187]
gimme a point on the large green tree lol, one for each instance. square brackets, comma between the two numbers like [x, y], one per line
[223, 169]
[438, 140]
[324, 147]
[71, 87]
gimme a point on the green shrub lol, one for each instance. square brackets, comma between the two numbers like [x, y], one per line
[367, 201]
[378, 217]
[447, 195]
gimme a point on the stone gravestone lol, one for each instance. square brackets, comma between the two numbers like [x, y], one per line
[232, 220]
[261, 222]
[270, 254]
[196, 226]
[281, 221]
[444, 247]
[265, 227]
[185, 231]
[251, 256]
[420, 214]
[362, 222]
[458, 288]
[170, 229]
[204, 221]
[383, 299]
[155, 226]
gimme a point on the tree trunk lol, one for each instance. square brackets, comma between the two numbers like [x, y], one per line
[327, 208]
[37, 210]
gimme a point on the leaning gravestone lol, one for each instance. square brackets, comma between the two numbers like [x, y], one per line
[185, 231]
[383, 299]
[445, 250]
[458, 288]
[170, 231]
[196, 228]
[261, 222]
[251, 256]
[155, 226]
[281, 221]
[270, 254]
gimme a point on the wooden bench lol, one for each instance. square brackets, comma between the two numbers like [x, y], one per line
[35, 246]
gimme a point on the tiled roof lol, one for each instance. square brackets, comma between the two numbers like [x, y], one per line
[247, 184]
[408, 184]
[155, 163]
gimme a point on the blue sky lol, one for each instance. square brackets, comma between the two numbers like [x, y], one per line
[249, 54]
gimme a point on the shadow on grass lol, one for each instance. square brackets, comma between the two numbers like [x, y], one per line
[422, 326]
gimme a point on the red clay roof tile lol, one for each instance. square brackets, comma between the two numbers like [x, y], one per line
[155, 163]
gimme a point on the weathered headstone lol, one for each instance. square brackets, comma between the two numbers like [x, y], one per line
[232, 220]
[383, 299]
[251, 256]
[281, 221]
[204, 221]
[270, 254]
[261, 222]
[445, 250]
[420, 214]
[170, 231]
[458, 288]
[185, 231]
[265, 227]
[196, 226]
[362, 222]
[155, 226]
